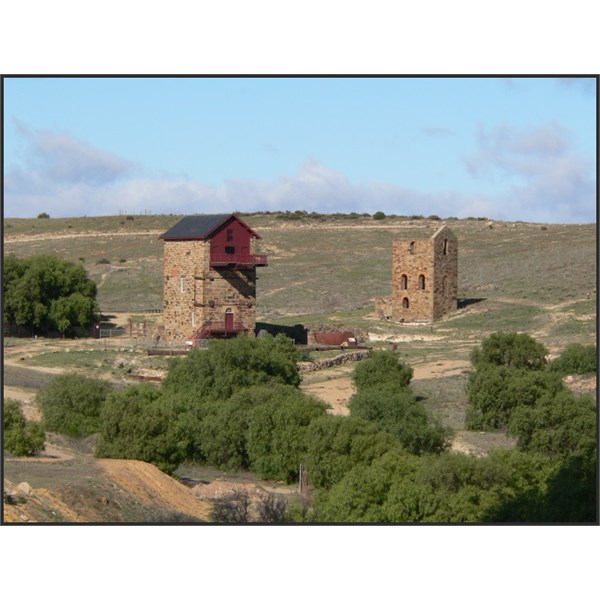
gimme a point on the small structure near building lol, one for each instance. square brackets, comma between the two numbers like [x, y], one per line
[210, 278]
[424, 279]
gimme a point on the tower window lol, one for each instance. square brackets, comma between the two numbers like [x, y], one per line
[411, 247]
[404, 282]
[421, 282]
[405, 303]
[445, 246]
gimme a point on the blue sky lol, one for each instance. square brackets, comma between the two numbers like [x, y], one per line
[511, 149]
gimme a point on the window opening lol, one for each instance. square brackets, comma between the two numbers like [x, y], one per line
[230, 235]
[404, 282]
[445, 246]
[411, 247]
[229, 249]
[405, 303]
[421, 282]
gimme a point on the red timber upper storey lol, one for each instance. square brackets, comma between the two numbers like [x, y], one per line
[229, 239]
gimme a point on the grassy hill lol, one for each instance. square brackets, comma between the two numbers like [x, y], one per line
[525, 276]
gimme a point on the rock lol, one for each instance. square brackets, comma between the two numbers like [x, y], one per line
[24, 489]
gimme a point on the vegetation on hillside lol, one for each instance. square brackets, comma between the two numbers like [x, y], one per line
[71, 404]
[576, 359]
[386, 462]
[48, 294]
[21, 437]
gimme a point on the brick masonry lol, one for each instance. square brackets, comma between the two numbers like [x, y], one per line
[424, 278]
[196, 294]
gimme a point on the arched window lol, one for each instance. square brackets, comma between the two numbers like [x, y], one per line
[404, 282]
[445, 246]
[421, 282]
[411, 247]
[405, 303]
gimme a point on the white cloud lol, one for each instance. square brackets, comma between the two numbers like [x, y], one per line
[549, 180]
[65, 177]
[58, 157]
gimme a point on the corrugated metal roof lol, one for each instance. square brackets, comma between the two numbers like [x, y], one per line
[195, 227]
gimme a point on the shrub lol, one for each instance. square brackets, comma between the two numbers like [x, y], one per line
[48, 293]
[336, 444]
[21, 438]
[229, 365]
[276, 438]
[510, 350]
[43, 215]
[556, 425]
[129, 218]
[223, 429]
[382, 367]
[576, 359]
[234, 509]
[397, 412]
[103, 261]
[71, 404]
[142, 423]
[379, 216]
[494, 392]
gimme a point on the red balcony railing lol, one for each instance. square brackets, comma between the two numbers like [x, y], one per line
[222, 328]
[239, 260]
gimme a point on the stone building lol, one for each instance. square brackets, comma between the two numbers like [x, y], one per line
[424, 278]
[209, 278]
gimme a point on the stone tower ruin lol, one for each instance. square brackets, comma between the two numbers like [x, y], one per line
[424, 278]
[209, 278]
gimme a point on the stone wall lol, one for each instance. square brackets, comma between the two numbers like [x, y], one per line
[183, 261]
[424, 277]
[195, 294]
[325, 363]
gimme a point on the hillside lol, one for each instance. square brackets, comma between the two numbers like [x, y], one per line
[511, 275]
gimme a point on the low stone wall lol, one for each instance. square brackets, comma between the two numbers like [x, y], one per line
[325, 363]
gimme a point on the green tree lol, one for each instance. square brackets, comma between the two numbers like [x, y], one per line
[229, 365]
[336, 444]
[21, 437]
[143, 423]
[494, 392]
[510, 350]
[48, 293]
[397, 412]
[556, 425]
[382, 367]
[379, 215]
[276, 440]
[71, 404]
[362, 493]
[576, 359]
[223, 429]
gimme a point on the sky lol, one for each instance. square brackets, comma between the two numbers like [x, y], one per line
[520, 148]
